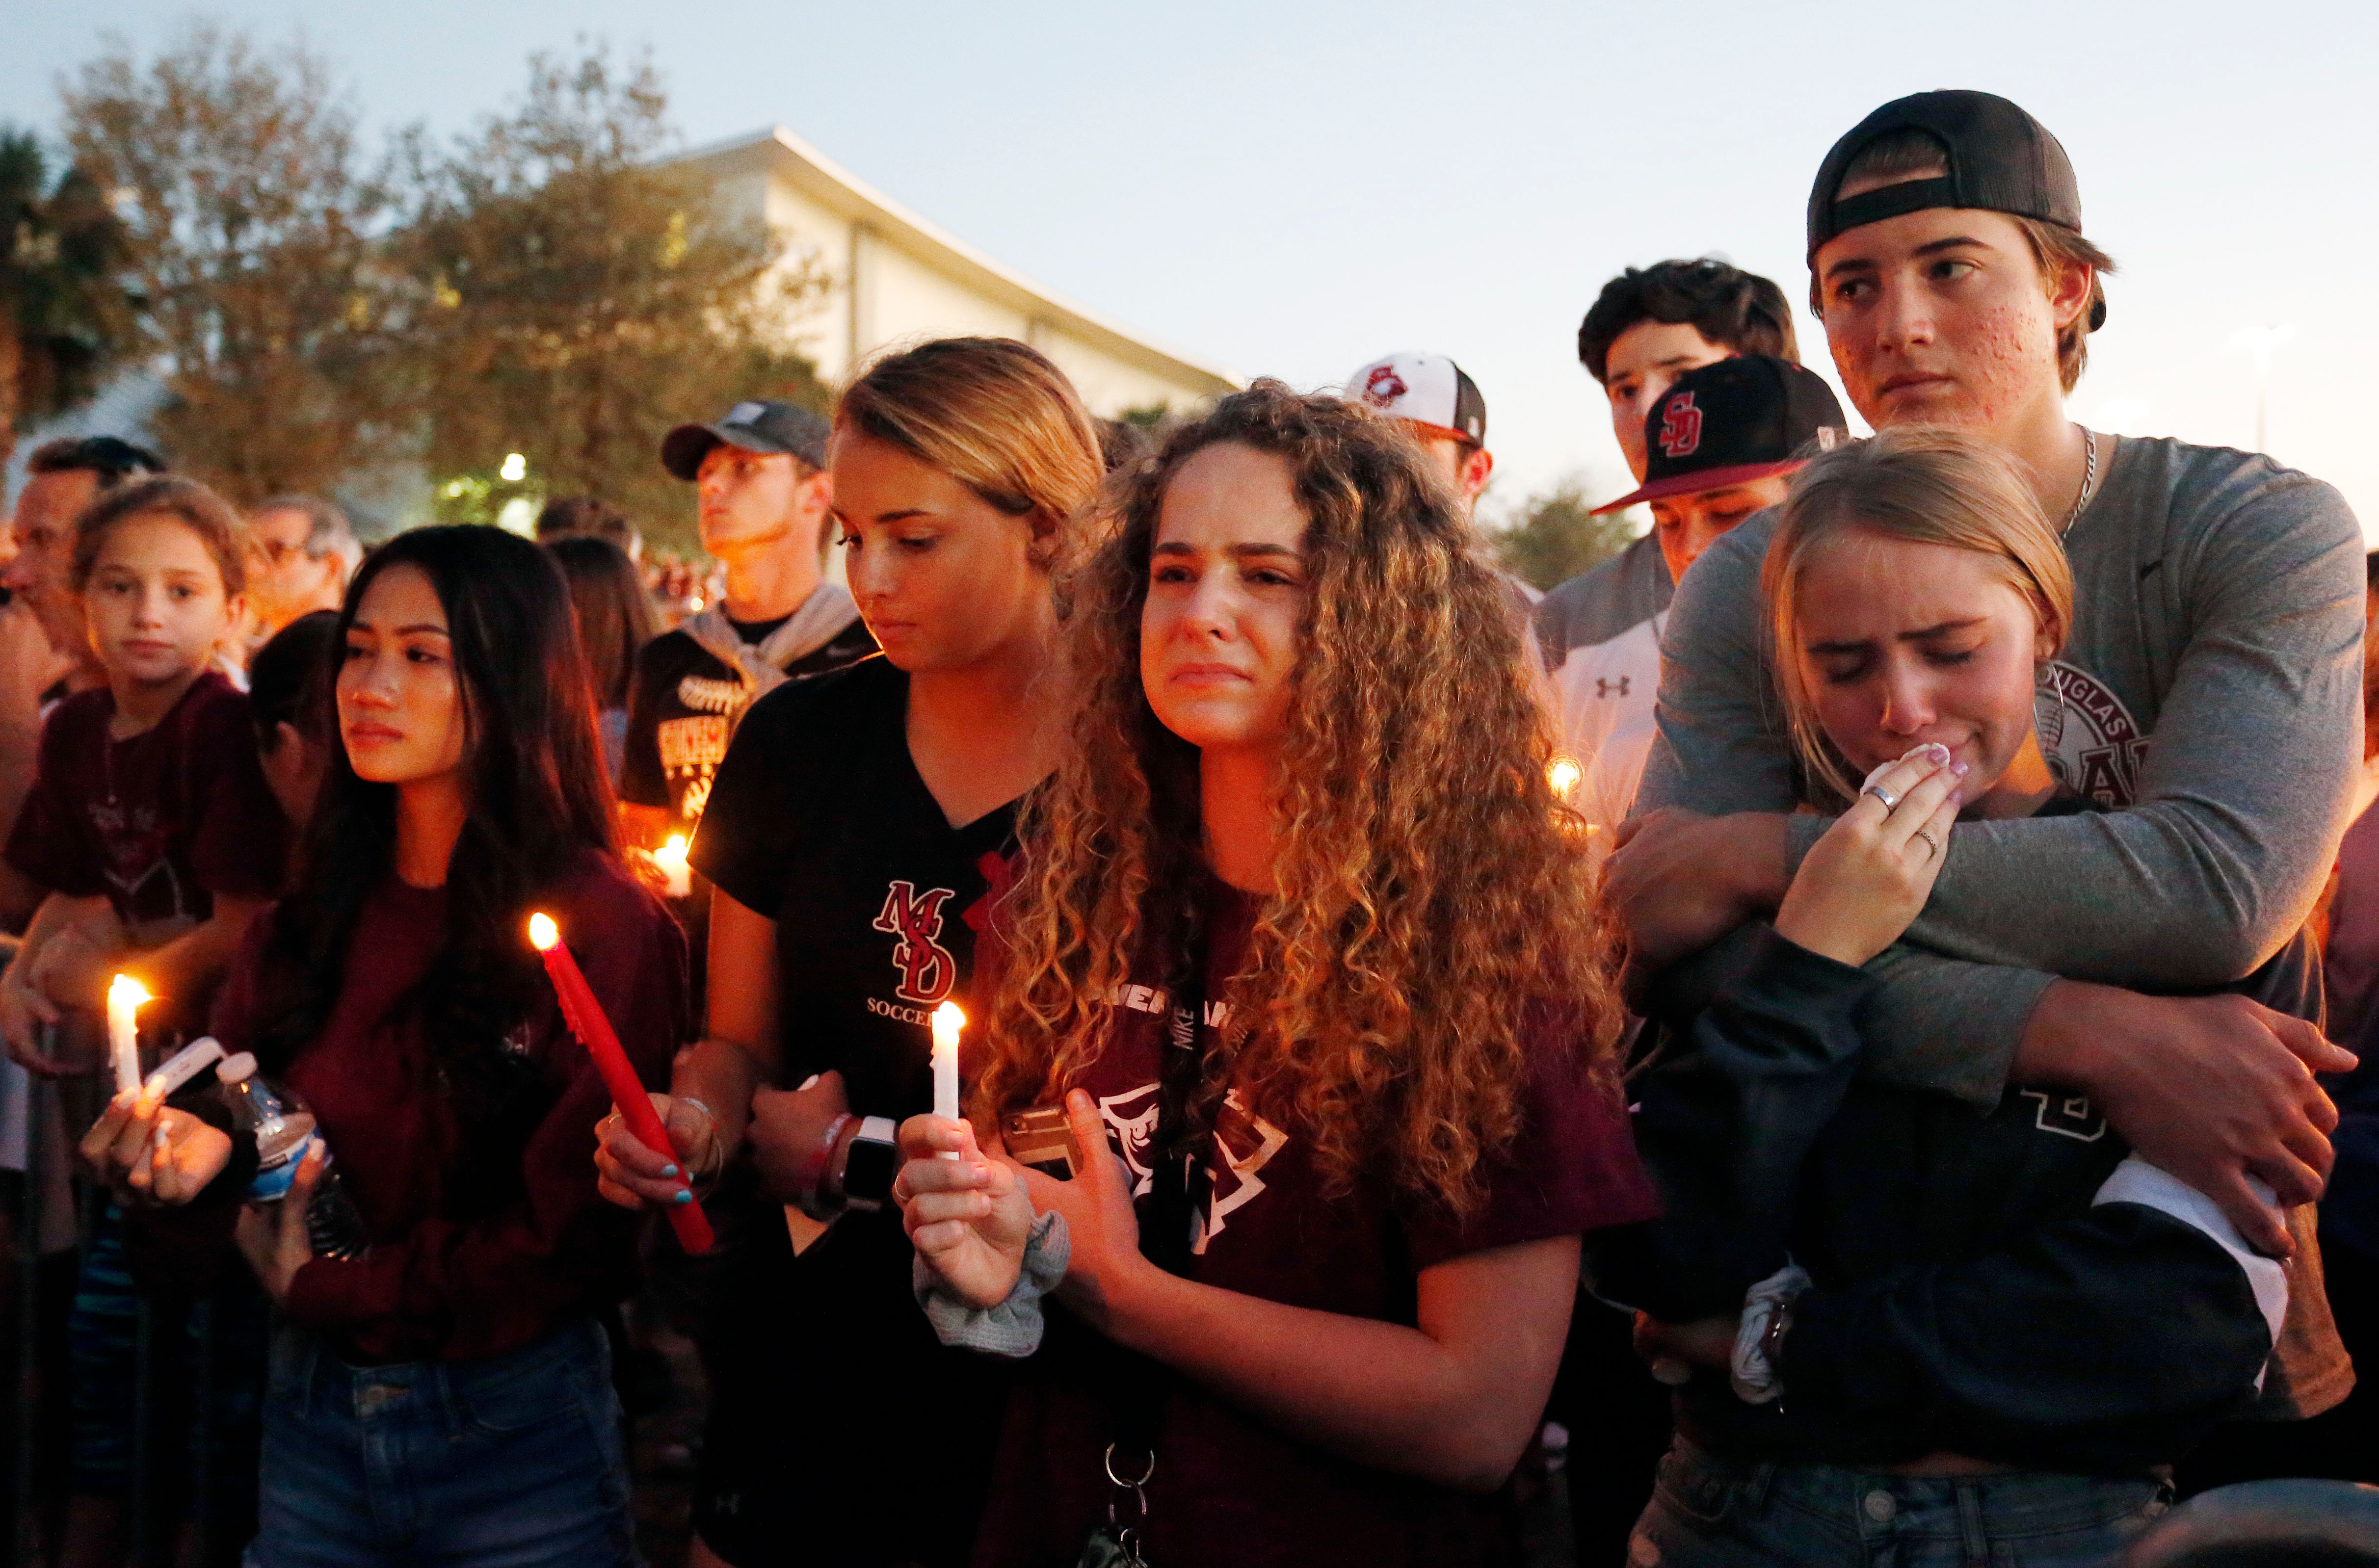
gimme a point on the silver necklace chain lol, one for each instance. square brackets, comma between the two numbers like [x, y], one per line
[2089, 477]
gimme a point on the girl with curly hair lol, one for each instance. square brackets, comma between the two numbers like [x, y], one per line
[1316, 1268]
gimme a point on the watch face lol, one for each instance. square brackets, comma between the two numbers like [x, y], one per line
[868, 1170]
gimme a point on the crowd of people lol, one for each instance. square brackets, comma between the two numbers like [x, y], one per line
[1842, 1021]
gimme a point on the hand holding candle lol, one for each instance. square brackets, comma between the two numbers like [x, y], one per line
[125, 996]
[585, 1018]
[948, 1022]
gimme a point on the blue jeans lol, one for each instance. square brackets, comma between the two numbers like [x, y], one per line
[511, 1462]
[1709, 1512]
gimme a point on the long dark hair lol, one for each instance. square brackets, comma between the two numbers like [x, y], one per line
[540, 803]
[615, 613]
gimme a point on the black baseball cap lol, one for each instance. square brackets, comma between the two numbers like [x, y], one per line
[1999, 159]
[755, 426]
[1731, 422]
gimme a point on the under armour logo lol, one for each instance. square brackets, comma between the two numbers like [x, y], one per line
[1606, 688]
[1681, 426]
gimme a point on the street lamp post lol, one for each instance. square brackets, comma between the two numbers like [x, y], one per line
[2261, 340]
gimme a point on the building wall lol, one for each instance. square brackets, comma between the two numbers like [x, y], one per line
[903, 298]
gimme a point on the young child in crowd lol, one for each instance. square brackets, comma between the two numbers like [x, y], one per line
[1305, 959]
[152, 828]
[2006, 1324]
[148, 793]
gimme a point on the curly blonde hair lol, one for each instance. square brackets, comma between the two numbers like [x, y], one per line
[1435, 903]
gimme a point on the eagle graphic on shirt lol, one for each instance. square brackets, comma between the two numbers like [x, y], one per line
[1243, 1144]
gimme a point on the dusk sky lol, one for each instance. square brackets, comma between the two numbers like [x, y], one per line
[1294, 189]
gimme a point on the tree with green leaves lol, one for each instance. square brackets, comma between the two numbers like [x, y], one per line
[1552, 537]
[249, 231]
[570, 299]
[66, 316]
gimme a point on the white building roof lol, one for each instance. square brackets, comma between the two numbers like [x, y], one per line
[825, 184]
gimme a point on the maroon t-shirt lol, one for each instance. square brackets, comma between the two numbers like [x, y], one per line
[449, 1275]
[1229, 1489]
[160, 822]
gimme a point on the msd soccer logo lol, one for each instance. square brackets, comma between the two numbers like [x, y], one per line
[928, 969]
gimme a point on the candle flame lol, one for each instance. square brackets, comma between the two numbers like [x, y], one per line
[542, 931]
[125, 991]
[1564, 775]
[948, 1016]
[673, 851]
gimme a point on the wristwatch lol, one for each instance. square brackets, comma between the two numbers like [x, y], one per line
[861, 1174]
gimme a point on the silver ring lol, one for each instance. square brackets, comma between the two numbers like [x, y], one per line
[1890, 802]
[1927, 836]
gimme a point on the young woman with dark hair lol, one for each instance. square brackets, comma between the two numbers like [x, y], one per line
[1307, 951]
[855, 831]
[445, 1394]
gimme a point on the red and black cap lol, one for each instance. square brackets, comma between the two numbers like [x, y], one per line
[1999, 157]
[755, 425]
[1732, 422]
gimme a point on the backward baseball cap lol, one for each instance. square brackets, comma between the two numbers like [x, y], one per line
[754, 425]
[1999, 159]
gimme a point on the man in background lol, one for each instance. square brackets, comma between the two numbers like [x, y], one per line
[1719, 444]
[1649, 326]
[766, 499]
[1432, 397]
[44, 651]
[301, 553]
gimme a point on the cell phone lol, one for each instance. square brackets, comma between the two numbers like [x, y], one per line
[1040, 1138]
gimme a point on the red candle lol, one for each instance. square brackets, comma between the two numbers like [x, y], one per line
[584, 1016]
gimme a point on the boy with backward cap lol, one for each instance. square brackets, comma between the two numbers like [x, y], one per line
[2208, 699]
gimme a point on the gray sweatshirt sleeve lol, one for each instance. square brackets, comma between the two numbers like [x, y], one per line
[2248, 779]
[1932, 1022]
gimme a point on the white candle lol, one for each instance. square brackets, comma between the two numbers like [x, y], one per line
[948, 1022]
[125, 996]
[671, 858]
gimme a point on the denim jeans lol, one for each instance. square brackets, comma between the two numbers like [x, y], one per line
[511, 1462]
[1709, 1511]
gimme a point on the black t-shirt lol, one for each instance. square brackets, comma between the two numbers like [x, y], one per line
[682, 710]
[819, 820]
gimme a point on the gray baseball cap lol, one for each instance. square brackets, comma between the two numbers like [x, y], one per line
[755, 426]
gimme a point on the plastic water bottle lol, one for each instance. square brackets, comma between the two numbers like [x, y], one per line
[284, 1129]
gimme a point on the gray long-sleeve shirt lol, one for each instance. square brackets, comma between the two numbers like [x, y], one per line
[2210, 694]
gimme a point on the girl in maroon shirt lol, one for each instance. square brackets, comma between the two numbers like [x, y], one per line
[1306, 939]
[446, 1394]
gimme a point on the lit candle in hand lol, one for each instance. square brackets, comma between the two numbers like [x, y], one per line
[125, 996]
[585, 1016]
[678, 876]
[948, 1022]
